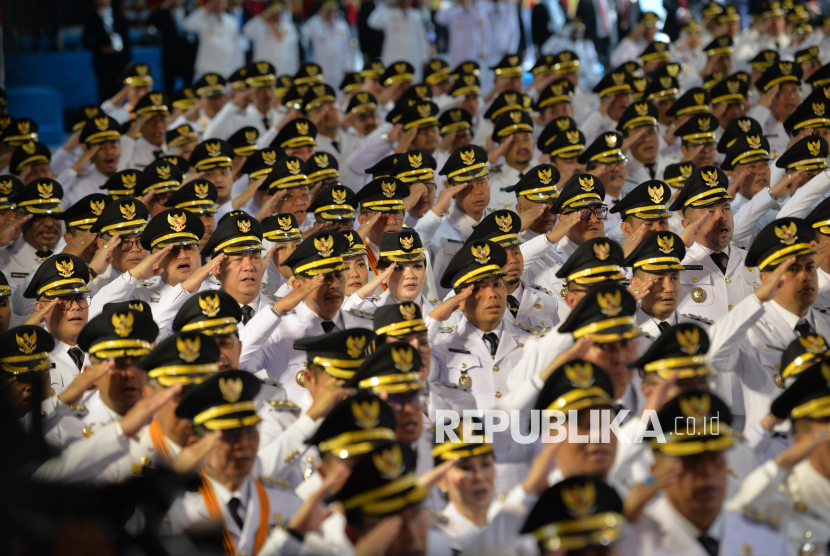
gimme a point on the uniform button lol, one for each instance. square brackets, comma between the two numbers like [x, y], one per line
[500, 496]
[495, 368]
[729, 307]
[43, 414]
[52, 390]
[727, 280]
[751, 269]
[463, 365]
[498, 394]
[755, 284]
[694, 280]
[538, 306]
[543, 323]
[310, 459]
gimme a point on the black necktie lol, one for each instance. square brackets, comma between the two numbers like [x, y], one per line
[513, 305]
[652, 171]
[233, 505]
[43, 254]
[521, 175]
[721, 259]
[77, 356]
[663, 326]
[336, 145]
[328, 326]
[492, 341]
[266, 122]
[804, 328]
[247, 313]
[158, 153]
[614, 201]
[711, 545]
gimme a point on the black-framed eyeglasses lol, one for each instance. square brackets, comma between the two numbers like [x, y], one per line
[127, 245]
[65, 302]
[399, 401]
[585, 213]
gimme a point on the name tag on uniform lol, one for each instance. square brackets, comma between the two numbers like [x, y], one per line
[454, 350]
[154, 299]
[455, 241]
[693, 266]
[19, 274]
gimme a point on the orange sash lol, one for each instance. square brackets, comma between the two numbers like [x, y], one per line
[158, 441]
[215, 513]
[373, 262]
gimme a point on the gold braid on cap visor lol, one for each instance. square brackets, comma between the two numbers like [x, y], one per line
[338, 368]
[587, 276]
[36, 362]
[392, 384]
[593, 329]
[211, 418]
[653, 264]
[710, 437]
[688, 367]
[575, 534]
[355, 443]
[460, 450]
[815, 409]
[372, 502]
[402, 328]
[580, 398]
[321, 267]
[778, 257]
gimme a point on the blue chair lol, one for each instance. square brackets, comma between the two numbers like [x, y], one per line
[42, 104]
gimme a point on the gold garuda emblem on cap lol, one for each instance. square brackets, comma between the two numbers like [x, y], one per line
[696, 407]
[686, 171]
[189, 348]
[587, 182]
[312, 69]
[6, 187]
[557, 88]
[510, 98]
[142, 69]
[284, 223]
[407, 311]
[102, 123]
[770, 55]
[703, 123]
[324, 246]
[128, 211]
[128, 180]
[209, 305]
[699, 98]
[689, 340]
[23, 126]
[27, 343]
[655, 193]
[362, 98]
[262, 67]
[388, 188]
[183, 129]
[136, 307]
[481, 253]
[156, 98]
[505, 223]
[665, 81]
[403, 358]
[563, 124]
[545, 175]
[231, 389]
[350, 237]
[407, 242]
[421, 90]
[572, 136]
[733, 86]
[754, 141]
[176, 221]
[665, 243]
[355, 345]
[302, 128]
[787, 233]
[212, 78]
[201, 190]
[641, 109]
[468, 157]
[424, 110]
[322, 160]
[468, 67]
[96, 207]
[28, 147]
[581, 375]
[5, 120]
[435, 65]
[65, 267]
[213, 149]
[415, 160]
[610, 304]
[710, 177]
[640, 84]
[163, 172]
[602, 251]
[455, 115]
[244, 226]
[611, 140]
[785, 67]
[746, 125]
[45, 189]
[293, 166]
[516, 117]
[814, 147]
[91, 111]
[366, 413]
[618, 78]
[673, 69]
[319, 90]
[338, 196]
[813, 344]
[269, 157]
[565, 56]
[389, 463]
[580, 499]
[818, 108]
[122, 324]
[400, 67]
[250, 136]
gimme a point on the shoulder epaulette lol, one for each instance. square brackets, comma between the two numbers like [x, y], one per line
[272, 482]
[540, 288]
[698, 318]
[739, 246]
[495, 169]
[361, 314]
[434, 301]
[453, 385]
[441, 519]
[531, 330]
[646, 335]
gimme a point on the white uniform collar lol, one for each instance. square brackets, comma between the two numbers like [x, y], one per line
[224, 495]
[789, 318]
[687, 526]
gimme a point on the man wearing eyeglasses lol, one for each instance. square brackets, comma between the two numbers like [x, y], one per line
[605, 160]
[60, 288]
[125, 218]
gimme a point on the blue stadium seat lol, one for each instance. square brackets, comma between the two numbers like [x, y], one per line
[42, 104]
